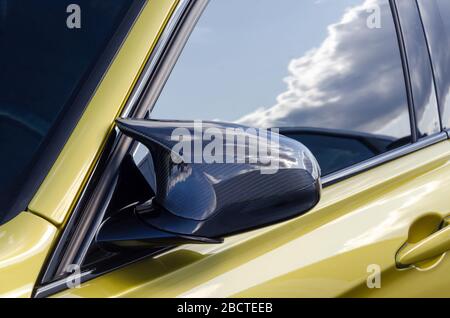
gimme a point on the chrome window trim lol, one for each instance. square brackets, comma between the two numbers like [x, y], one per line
[158, 52]
[383, 158]
[406, 72]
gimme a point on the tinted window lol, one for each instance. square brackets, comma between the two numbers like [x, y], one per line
[45, 61]
[298, 64]
[337, 149]
[436, 19]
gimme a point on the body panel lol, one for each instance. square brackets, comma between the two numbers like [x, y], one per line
[24, 244]
[65, 181]
[327, 252]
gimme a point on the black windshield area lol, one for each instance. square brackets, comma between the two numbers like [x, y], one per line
[52, 56]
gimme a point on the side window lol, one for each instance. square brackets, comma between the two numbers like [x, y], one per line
[436, 20]
[420, 72]
[327, 73]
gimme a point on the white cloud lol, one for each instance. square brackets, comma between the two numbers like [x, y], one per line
[352, 81]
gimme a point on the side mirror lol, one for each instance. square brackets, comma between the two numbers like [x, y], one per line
[199, 200]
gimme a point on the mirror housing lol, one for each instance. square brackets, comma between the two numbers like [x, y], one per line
[199, 200]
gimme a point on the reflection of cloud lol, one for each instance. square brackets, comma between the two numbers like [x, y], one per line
[439, 40]
[352, 81]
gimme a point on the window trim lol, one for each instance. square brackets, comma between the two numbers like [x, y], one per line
[406, 73]
[146, 92]
[383, 158]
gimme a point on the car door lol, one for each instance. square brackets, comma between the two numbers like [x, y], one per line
[344, 83]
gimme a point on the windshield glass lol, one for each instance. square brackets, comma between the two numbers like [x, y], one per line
[52, 57]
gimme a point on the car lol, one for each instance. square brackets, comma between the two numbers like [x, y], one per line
[116, 179]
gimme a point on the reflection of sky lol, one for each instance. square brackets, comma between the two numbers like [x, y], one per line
[261, 51]
[244, 63]
[437, 29]
[422, 85]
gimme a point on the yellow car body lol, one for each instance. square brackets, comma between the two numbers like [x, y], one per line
[357, 229]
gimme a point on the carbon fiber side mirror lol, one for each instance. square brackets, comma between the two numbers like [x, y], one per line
[204, 192]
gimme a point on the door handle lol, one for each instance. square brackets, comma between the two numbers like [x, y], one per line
[432, 246]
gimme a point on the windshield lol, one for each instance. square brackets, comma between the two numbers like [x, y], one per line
[52, 57]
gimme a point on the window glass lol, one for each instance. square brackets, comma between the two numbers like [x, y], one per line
[421, 75]
[48, 50]
[328, 73]
[436, 20]
[444, 10]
